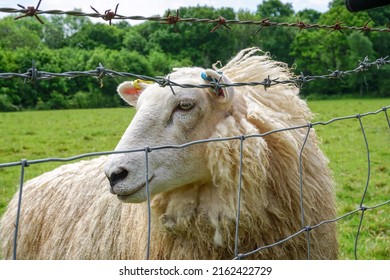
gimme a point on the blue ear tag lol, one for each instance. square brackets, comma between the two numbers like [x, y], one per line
[204, 76]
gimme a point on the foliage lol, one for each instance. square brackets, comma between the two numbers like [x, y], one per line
[68, 43]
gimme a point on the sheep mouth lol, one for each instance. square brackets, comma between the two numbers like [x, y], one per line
[126, 196]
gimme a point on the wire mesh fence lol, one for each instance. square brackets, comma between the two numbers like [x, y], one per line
[24, 163]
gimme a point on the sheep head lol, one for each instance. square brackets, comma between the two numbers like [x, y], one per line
[165, 117]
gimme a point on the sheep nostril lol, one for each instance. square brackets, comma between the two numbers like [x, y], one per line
[117, 176]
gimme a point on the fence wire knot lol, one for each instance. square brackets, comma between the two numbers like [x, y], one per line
[221, 22]
[308, 228]
[25, 163]
[101, 73]
[336, 27]
[166, 82]
[337, 74]
[363, 65]
[264, 23]
[301, 80]
[33, 73]
[172, 19]
[365, 27]
[108, 14]
[381, 61]
[301, 25]
[31, 11]
[267, 82]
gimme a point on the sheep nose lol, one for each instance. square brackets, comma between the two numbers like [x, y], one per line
[116, 175]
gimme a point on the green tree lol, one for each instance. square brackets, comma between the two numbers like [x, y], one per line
[54, 34]
[26, 33]
[308, 16]
[276, 40]
[134, 41]
[92, 36]
[317, 52]
[74, 24]
[274, 9]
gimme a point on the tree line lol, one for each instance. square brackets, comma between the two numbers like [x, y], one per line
[68, 43]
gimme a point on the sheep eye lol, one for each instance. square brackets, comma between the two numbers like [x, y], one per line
[186, 105]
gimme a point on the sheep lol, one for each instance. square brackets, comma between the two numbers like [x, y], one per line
[74, 212]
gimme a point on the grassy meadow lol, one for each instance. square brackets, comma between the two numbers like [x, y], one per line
[43, 134]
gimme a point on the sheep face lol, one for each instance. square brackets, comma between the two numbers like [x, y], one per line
[167, 118]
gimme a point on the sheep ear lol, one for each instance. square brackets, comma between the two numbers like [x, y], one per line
[130, 91]
[224, 94]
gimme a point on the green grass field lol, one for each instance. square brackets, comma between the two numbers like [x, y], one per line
[43, 134]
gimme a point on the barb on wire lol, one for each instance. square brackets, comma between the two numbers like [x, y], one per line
[336, 27]
[365, 27]
[31, 11]
[101, 73]
[268, 82]
[337, 74]
[172, 19]
[264, 23]
[33, 72]
[221, 22]
[301, 25]
[167, 82]
[108, 14]
[363, 64]
[381, 61]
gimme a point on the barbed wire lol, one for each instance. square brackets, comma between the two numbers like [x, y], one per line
[33, 75]
[304, 228]
[174, 19]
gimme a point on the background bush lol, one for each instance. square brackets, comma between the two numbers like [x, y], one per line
[67, 43]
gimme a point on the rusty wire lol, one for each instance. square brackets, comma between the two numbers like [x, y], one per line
[174, 19]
